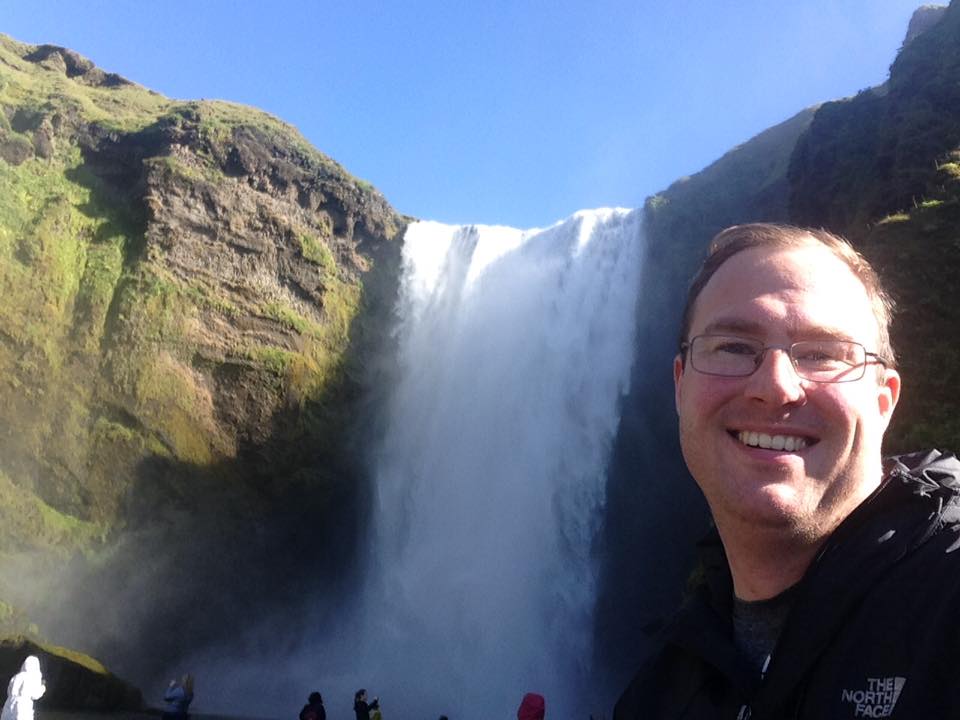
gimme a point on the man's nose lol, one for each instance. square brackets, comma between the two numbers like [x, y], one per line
[776, 381]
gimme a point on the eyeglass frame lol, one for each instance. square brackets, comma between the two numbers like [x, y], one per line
[869, 357]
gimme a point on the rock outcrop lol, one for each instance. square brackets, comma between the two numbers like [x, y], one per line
[923, 18]
[73, 680]
[193, 297]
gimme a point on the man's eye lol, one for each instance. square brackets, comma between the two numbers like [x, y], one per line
[816, 355]
[735, 348]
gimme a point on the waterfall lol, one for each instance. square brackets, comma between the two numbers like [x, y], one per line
[514, 352]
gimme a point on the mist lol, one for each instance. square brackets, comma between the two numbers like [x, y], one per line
[470, 574]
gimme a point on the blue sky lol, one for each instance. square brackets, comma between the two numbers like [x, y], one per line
[500, 112]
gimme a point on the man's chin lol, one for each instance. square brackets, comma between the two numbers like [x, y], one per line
[773, 505]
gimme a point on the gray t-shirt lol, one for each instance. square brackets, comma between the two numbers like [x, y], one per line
[757, 625]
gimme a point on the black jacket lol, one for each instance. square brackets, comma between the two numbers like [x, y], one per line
[874, 629]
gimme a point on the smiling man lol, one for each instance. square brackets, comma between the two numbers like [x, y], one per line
[830, 585]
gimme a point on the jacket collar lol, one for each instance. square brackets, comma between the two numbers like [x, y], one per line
[873, 537]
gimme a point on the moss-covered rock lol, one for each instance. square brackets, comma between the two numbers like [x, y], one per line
[191, 291]
[74, 681]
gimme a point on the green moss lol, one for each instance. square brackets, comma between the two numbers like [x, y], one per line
[124, 107]
[113, 432]
[273, 359]
[894, 218]
[192, 172]
[291, 319]
[104, 266]
[218, 120]
[321, 362]
[155, 308]
[29, 523]
[951, 169]
[316, 251]
[202, 296]
[170, 403]
[75, 656]
[341, 303]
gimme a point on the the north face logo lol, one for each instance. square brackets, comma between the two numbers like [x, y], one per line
[877, 700]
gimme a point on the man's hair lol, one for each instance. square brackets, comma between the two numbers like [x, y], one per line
[738, 238]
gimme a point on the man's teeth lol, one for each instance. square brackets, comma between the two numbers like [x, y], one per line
[772, 442]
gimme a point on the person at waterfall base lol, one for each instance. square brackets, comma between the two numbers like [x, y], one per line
[23, 689]
[314, 709]
[361, 708]
[832, 579]
[532, 707]
[177, 698]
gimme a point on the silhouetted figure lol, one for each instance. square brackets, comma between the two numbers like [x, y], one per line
[532, 707]
[25, 687]
[177, 699]
[314, 709]
[360, 706]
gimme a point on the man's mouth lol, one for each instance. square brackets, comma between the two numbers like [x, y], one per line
[789, 443]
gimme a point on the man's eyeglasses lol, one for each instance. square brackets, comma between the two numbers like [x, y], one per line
[824, 361]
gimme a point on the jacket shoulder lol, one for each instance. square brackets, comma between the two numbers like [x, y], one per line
[665, 684]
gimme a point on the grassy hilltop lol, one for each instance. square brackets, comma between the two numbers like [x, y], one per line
[191, 293]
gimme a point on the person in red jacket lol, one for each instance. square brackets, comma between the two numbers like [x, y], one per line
[532, 707]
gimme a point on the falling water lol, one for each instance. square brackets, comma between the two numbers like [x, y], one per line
[515, 349]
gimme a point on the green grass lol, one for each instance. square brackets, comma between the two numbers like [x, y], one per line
[316, 251]
[27, 84]
[894, 218]
[275, 360]
[291, 319]
[29, 523]
[951, 169]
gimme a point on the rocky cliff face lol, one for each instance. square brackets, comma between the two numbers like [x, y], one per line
[923, 18]
[882, 169]
[191, 299]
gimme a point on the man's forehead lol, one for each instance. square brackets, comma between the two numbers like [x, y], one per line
[810, 268]
[818, 288]
[793, 325]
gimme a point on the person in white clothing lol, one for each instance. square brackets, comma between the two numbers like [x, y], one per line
[25, 687]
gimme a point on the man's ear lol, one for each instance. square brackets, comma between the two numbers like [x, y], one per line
[677, 375]
[888, 392]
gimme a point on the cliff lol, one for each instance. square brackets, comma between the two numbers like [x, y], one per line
[192, 296]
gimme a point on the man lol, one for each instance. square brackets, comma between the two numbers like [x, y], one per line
[831, 589]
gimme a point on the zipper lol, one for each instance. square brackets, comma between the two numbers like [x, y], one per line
[745, 710]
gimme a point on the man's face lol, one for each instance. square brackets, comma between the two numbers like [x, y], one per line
[780, 296]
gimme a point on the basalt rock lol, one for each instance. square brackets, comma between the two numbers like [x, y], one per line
[193, 301]
[74, 682]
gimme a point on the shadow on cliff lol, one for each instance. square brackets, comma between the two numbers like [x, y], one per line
[243, 556]
[263, 567]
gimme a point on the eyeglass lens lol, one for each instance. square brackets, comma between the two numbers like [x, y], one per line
[817, 360]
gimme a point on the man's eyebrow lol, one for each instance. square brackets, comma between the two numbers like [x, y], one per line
[741, 326]
[733, 326]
